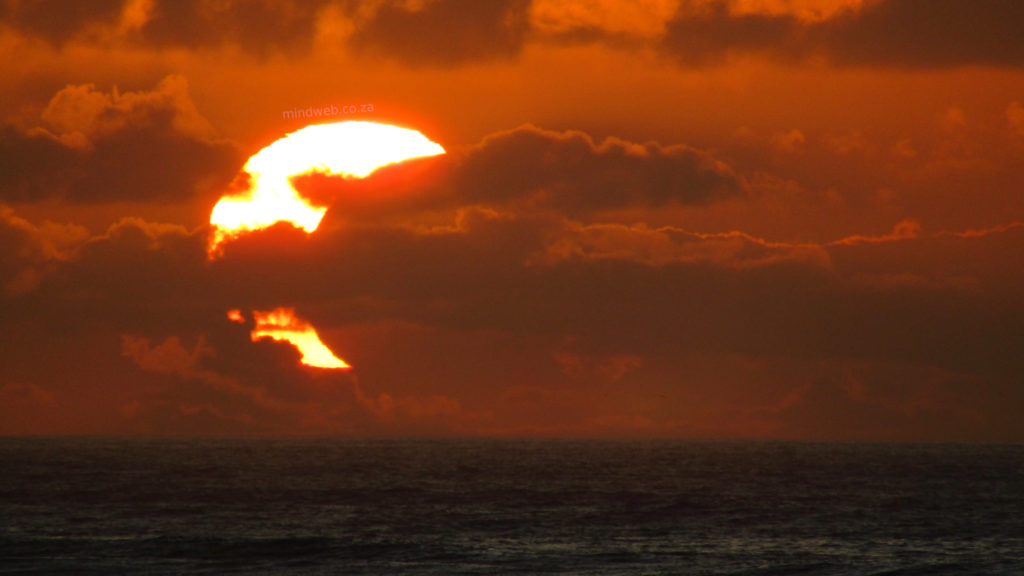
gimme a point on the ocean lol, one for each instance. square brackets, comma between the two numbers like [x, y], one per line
[489, 506]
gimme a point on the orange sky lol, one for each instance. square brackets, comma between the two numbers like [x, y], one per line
[696, 218]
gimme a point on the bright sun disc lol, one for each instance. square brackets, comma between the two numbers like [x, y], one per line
[350, 149]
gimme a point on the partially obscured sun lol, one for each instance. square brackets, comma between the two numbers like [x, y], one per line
[350, 149]
[282, 325]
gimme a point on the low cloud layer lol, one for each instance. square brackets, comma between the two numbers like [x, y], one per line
[590, 307]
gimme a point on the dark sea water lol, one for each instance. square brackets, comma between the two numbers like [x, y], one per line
[117, 506]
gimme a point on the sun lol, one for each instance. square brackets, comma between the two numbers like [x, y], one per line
[351, 149]
[282, 325]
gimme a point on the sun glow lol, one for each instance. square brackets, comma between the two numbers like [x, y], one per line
[282, 325]
[350, 149]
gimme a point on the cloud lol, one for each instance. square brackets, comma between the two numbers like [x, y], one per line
[886, 33]
[608, 369]
[29, 251]
[259, 28]
[95, 147]
[1015, 117]
[640, 290]
[558, 18]
[668, 245]
[878, 402]
[433, 33]
[926, 34]
[443, 32]
[617, 308]
[570, 173]
[167, 357]
[704, 34]
[178, 384]
[788, 142]
[904, 230]
[56, 21]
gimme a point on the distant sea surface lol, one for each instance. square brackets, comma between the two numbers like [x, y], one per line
[160, 506]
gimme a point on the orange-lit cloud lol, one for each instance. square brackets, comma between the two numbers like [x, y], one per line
[450, 33]
[90, 146]
[442, 32]
[645, 19]
[887, 33]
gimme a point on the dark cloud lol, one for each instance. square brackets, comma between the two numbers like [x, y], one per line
[444, 32]
[131, 327]
[637, 290]
[95, 147]
[887, 33]
[259, 28]
[56, 21]
[570, 173]
[34, 167]
[511, 291]
[926, 33]
[28, 252]
[434, 33]
[879, 402]
[709, 33]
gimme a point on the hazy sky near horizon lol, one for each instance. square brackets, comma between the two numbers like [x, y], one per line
[694, 218]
